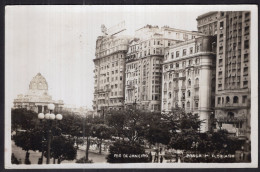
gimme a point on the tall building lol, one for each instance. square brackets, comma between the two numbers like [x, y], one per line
[37, 98]
[144, 64]
[189, 78]
[109, 72]
[232, 100]
[208, 23]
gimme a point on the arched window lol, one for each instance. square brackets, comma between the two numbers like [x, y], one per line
[188, 104]
[197, 81]
[189, 82]
[170, 85]
[197, 61]
[196, 104]
[231, 115]
[235, 99]
[227, 99]
[165, 86]
[188, 93]
[170, 95]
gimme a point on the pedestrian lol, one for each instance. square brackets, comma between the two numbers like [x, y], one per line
[150, 157]
[156, 157]
[161, 159]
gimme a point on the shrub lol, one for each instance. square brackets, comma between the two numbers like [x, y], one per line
[83, 160]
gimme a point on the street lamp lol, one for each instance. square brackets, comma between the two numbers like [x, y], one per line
[49, 117]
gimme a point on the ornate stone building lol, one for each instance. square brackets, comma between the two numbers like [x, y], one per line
[37, 98]
[144, 64]
[189, 78]
[233, 87]
[109, 72]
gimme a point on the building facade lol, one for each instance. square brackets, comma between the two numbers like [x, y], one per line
[189, 78]
[144, 64]
[233, 88]
[37, 98]
[109, 72]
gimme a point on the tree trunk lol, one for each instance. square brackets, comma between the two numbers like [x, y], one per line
[42, 156]
[59, 160]
[87, 147]
[100, 146]
[53, 160]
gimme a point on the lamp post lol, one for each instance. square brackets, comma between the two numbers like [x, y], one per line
[49, 117]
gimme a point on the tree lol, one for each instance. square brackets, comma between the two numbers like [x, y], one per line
[14, 160]
[29, 140]
[101, 131]
[117, 120]
[23, 119]
[126, 152]
[62, 149]
[157, 128]
[87, 133]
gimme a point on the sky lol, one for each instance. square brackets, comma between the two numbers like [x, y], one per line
[59, 42]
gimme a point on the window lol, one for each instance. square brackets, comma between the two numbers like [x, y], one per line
[197, 81]
[235, 99]
[188, 104]
[189, 82]
[220, 62]
[196, 104]
[170, 85]
[184, 52]
[191, 50]
[246, 44]
[177, 54]
[172, 55]
[245, 83]
[219, 100]
[221, 25]
[183, 105]
[227, 99]
[183, 95]
[170, 95]
[188, 93]
[244, 99]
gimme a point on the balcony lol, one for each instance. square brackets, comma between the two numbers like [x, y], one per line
[164, 100]
[196, 85]
[130, 87]
[231, 106]
[176, 88]
[183, 87]
[196, 97]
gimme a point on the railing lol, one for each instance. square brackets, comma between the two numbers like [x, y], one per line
[183, 87]
[196, 85]
[196, 97]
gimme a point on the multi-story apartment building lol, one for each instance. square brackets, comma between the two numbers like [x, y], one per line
[208, 23]
[109, 72]
[144, 64]
[189, 78]
[232, 100]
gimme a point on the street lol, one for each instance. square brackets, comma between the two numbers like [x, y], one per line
[34, 156]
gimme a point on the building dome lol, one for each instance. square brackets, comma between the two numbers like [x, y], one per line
[38, 83]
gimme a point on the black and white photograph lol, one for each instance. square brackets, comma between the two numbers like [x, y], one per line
[131, 86]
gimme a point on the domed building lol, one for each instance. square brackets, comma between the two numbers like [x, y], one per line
[37, 97]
